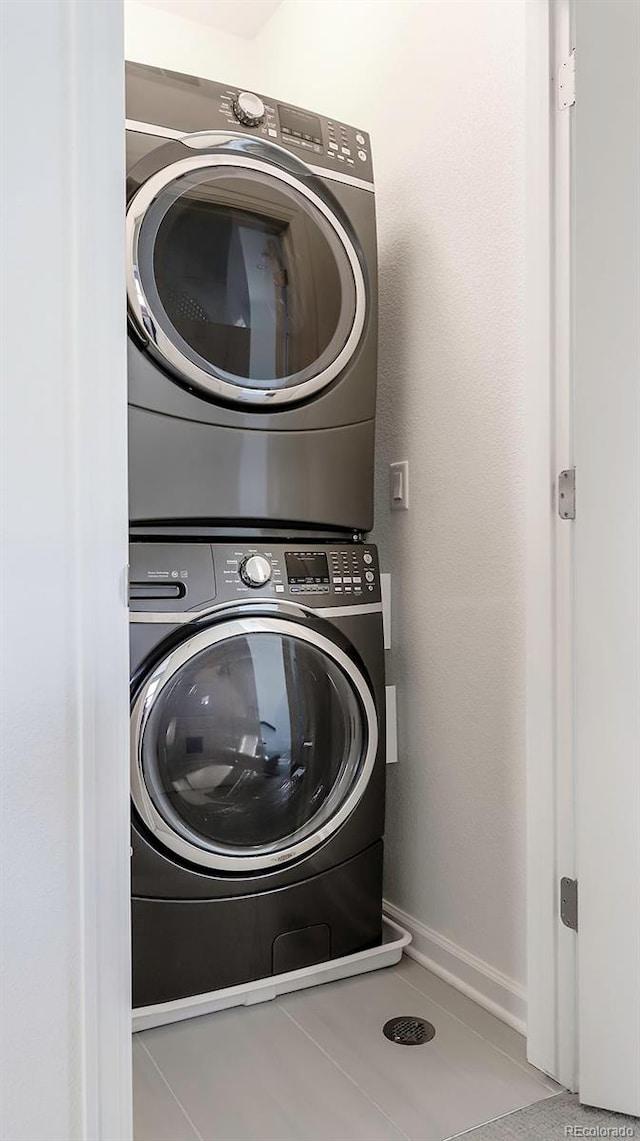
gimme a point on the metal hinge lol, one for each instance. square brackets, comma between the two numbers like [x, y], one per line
[567, 82]
[567, 494]
[569, 902]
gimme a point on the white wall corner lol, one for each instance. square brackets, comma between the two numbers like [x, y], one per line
[491, 989]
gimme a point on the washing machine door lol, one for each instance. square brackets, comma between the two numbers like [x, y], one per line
[252, 742]
[243, 277]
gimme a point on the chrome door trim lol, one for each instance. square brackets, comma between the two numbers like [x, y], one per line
[321, 171]
[182, 617]
[345, 611]
[163, 344]
[151, 690]
[338, 176]
[154, 129]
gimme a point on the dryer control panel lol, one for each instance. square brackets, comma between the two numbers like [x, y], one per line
[188, 104]
[176, 577]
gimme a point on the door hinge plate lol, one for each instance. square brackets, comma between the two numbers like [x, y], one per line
[567, 494]
[569, 902]
[567, 82]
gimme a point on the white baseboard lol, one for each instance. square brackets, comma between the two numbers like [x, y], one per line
[490, 988]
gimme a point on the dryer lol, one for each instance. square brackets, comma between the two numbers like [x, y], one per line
[252, 301]
[257, 761]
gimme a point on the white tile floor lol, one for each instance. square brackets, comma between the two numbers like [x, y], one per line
[314, 1066]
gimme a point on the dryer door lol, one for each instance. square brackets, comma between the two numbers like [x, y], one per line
[251, 743]
[243, 278]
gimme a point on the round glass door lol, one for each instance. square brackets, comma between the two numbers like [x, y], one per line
[251, 743]
[245, 282]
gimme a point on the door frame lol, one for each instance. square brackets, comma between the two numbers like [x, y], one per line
[551, 847]
[64, 843]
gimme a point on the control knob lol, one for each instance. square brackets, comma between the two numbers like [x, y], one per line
[249, 109]
[255, 571]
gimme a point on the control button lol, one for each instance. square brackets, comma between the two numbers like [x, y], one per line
[279, 588]
[351, 162]
[318, 141]
[367, 558]
[274, 134]
[335, 579]
[357, 580]
[341, 157]
[249, 109]
[297, 134]
[286, 130]
[345, 579]
[346, 151]
[255, 571]
[338, 590]
[369, 575]
[360, 139]
[362, 155]
[333, 146]
[309, 138]
[370, 588]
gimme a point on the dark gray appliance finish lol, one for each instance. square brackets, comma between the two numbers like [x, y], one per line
[187, 103]
[250, 417]
[257, 760]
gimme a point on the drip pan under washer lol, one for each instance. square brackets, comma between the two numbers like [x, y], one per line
[394, 940]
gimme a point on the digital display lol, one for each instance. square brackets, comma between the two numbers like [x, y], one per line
[299, 123]
[308, 567]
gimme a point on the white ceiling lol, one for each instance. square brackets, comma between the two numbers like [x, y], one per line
[239, 17]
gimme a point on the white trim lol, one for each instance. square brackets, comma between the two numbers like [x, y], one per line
[606, 604]
[551, 1043]
[479, 981]
[566, 1030]
[99, 488]
[64, 836]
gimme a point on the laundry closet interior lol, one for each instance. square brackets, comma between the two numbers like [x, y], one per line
[325, 289]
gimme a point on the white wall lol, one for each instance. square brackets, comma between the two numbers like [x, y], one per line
[65, 1018]
[162, 39]
[440, 85]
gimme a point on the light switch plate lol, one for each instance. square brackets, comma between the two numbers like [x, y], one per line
[399, 485]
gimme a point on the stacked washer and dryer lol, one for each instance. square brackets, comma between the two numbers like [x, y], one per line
[257, 721]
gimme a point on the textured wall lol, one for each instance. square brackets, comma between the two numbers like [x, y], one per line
[440, 86]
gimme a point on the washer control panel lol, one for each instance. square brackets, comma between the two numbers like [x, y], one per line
[187, 103]
[176, 577]
[322, 575]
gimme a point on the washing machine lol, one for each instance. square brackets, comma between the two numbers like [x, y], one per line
[251, 283]
[257, 761]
